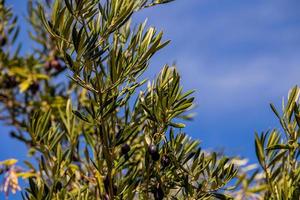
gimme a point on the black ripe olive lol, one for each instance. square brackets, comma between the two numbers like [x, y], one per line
[153, 151]
[125, 149]
[9, 81]
[3, 41]
[55, 64]
[58, 186]
[165, 161]
[158, 193]
[34, 87]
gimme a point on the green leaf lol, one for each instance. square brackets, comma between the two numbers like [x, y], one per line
[80, 116]
[9, 162]
[259, 150]
[177, 125]
[275, 111]
[25, 85]
[278, 146]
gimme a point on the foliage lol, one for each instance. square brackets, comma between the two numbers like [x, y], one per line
[105, 132]
[101, 133]
[277, 151]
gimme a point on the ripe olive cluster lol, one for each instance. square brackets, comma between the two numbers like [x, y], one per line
[10, 82]
[153, 151]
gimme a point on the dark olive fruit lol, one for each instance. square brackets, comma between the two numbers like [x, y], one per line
[125, 149]
[3, 41]
[165, 161]
[55, 64]
[158, 194]
[155, 156]
[34, 87]
[58, 186]
[152, 149]
[9, 81]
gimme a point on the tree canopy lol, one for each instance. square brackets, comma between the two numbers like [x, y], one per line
[96, 129]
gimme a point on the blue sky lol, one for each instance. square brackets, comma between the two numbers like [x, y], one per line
[238, 55]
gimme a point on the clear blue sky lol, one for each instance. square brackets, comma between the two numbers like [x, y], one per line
[238, 55]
